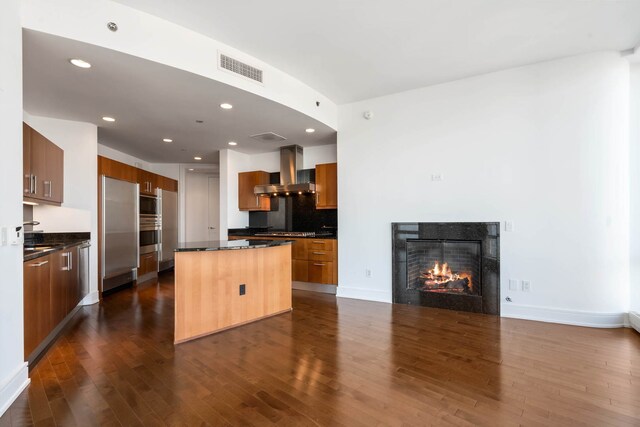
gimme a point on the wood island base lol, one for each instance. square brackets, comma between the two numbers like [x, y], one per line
[210, 296]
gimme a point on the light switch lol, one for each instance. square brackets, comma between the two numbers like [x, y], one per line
[508, 226]
[513, 285]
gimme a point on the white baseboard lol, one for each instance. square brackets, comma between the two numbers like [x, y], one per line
[13, 386]
[364, 294]
[634, 320]
[567, 317]
[91, 298]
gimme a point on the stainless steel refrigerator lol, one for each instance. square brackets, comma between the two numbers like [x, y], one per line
[120, 232]
[168, 228]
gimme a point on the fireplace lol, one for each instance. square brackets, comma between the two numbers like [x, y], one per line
[447, 265]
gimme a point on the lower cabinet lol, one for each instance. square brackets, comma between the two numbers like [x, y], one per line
[313, 260]
[51, 292]
[148, 263]
[37, 302]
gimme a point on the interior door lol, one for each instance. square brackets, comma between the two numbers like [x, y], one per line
[214, 208]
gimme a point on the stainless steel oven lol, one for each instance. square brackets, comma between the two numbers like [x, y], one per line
[149, 233]
[148, 205]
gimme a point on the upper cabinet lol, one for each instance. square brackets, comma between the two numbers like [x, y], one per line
[149, 181]
[247, 200]
[43, 165]
[167, 184]
[117, 170]
[327, 186]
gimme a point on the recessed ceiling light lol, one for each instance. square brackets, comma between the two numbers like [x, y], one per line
[167, 140]
[309, 130]
[233, 143]
[197, 158]
[108, 119]
[80, 63]
[226, 106]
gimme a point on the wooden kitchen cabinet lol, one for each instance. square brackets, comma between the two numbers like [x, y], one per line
[148, 263]
[327, 186]
[43, 167]
[148, 182]
[37, 302]
[247, 200]
[321, 272]
[118, 170]
[51, 292]
[167, 184]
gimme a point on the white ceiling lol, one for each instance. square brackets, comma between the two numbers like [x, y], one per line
[358, 49]
[151, 101]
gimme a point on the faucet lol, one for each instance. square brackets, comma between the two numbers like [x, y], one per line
[31, 223]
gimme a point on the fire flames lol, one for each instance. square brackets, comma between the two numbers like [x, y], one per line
[442, 279]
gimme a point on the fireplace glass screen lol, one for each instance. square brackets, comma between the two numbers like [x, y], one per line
[444, 266]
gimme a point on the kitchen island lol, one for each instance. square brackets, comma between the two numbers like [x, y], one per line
[224, 284]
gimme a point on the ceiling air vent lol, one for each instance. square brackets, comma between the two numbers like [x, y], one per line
[237, 67]
[268, 137]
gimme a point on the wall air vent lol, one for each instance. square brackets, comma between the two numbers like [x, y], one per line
[238, 67]
[268, 137]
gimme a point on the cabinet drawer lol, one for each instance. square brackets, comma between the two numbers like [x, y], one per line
[319, 255]
[320, 272]
[321, 244]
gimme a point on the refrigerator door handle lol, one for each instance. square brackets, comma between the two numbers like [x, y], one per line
[137, 227]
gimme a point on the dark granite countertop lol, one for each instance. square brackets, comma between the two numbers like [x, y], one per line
[223, 245]
[32, 252]
[248, 232]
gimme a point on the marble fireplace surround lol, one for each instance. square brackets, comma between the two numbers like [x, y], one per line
[487, 233]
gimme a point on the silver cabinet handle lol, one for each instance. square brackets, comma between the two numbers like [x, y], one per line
[35, 184]
[320, 242]
[51, 189]
[66, 267]
[320, 264]
[39, 264]
[70, 261]
[318, 253]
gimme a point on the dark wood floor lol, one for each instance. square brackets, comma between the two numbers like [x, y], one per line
[329, 362]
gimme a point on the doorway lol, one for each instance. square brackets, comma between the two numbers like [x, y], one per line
[202, 210]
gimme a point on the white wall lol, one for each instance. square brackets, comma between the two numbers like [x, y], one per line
[231, 163]
[152, 38]
[544, 146]
[313, 156]
[634, 148]
[13, 369]
[79, 211]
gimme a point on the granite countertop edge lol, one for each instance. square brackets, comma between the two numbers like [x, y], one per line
[31, 255]
[206, 247]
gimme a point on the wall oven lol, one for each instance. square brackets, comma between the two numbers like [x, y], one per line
[148, 205]
[149, 233]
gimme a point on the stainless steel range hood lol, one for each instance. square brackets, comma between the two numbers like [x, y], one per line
[291, 158]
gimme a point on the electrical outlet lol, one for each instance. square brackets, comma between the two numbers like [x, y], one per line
[436, 177]
[508, 226]
[526, 286]
[513, 285]
[367, 273]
